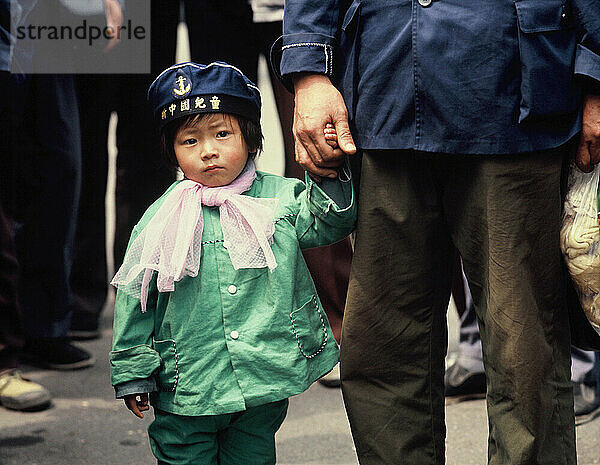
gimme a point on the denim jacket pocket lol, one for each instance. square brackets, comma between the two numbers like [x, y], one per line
[309, 327]
[168, 373]
[547, 49]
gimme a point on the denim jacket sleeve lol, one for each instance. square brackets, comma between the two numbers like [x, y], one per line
[136, 386]
[309, 39]
[310, 27]
[587, 19]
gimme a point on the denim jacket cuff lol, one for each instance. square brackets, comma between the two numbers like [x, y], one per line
[587, 63]
[302, 53]
[136, 386]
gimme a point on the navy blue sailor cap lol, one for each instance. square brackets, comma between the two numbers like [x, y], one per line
[190, 88]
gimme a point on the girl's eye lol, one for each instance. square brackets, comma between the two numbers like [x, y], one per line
[190, 141]
[222, 133]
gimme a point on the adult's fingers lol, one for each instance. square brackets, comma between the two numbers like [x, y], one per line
[588, 150]
[594, 150]
[304, 160]
[345, 140]
[582, 159]
[316, 101]
[303, 137]
[310, 133]
[114, 21]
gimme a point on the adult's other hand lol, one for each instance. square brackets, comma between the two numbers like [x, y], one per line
[114, 22]
[588, 152]
[318, 102]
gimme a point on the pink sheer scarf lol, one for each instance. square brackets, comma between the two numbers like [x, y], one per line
[171, 242]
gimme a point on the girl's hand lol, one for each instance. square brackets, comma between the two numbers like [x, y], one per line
[137, 406]
[331, 135]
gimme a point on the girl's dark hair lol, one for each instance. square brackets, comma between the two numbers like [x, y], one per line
[251, 132]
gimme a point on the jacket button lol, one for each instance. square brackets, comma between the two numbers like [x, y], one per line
[425, 3]
[234, 335]
[232, 289]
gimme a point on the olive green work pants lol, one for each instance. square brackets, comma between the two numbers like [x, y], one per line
[503, 214]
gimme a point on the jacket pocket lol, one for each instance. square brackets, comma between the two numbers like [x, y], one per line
[309, 327]
[168, 373]
[547, 50]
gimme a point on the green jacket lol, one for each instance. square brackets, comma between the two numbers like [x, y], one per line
[231, 339]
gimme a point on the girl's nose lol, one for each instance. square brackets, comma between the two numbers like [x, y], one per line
[209, 151]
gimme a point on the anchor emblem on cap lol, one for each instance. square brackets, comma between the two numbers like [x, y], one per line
[183, 89]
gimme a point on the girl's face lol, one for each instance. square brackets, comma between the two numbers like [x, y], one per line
[212, 150]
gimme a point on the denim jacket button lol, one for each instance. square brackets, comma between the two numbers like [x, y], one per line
[425, 3]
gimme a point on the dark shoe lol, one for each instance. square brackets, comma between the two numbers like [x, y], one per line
[462, 384]
[18, 393]
[57, 354]
[587, 402]
[84, 327]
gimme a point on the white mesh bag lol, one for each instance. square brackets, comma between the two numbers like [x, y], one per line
[580, 239]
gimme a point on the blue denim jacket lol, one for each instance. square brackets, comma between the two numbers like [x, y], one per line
[455, 76]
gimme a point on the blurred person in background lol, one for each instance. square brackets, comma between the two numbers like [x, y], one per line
[141, 174]
[16, 392]
[44, 167]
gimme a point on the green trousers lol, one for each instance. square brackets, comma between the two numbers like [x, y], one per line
[246, 437]
[503, 214]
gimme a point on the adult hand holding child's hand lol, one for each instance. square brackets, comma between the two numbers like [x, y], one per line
[317, 103]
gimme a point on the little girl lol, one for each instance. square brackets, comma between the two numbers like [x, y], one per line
[216, 315]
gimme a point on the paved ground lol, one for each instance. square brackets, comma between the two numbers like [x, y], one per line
[86, 426]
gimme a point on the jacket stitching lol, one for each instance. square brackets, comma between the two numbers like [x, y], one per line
[176, 362]
[289, 215]
[314, 299]
[326, 49]
[212, 242]
[281, 218]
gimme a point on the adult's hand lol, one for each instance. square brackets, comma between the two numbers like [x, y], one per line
[114, 22]
[317, 103]
[588, 152]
